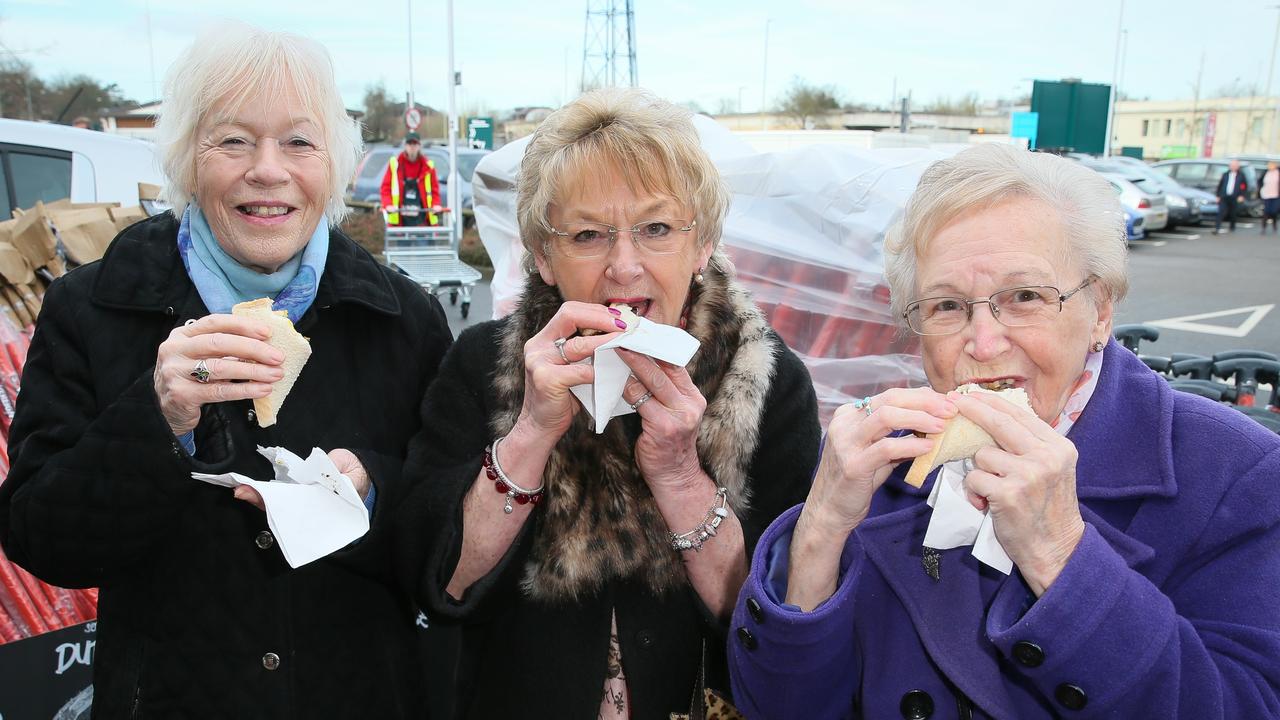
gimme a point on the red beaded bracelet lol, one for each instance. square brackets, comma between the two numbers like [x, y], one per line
[503, 484]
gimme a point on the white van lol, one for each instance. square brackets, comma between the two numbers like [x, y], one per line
[40, 161]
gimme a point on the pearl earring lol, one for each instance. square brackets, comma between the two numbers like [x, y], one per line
[698, 276]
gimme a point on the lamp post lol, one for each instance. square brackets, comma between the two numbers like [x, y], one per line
[1115, 77]
[454, 191]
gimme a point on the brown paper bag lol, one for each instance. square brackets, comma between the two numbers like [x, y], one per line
[126, 216]
[85, 232]
[13, 266]
[34, 238]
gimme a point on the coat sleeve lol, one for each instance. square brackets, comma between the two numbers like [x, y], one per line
[374, 553]
[385, 191]
[1203, 644]
[94, 489]
[796, 664]
[445, 459]
[787, 451]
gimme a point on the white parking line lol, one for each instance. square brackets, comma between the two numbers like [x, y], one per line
[1188, 322]
[1174, 235]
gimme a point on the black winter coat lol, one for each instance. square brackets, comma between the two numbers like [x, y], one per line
[537, 658]
[194, 593]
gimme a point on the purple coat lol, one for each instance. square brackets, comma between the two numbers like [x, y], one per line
[1169, 607]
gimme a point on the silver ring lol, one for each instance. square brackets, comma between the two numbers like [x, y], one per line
[200, 372]
[189, 323]
[559, 343]
[864, 405]
[641, 400]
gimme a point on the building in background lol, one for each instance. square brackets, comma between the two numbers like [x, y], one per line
[1209, 127]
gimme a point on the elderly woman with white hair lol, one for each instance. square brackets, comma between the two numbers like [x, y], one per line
[594, 573]
[1127, 535]
[138, 375]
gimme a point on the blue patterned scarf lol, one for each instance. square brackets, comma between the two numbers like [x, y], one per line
[222, 281]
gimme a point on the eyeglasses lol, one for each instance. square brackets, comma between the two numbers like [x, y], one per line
[585, 240]
[1014, 307]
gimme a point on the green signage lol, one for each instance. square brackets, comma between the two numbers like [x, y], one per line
[1073, 115]
[480, 133]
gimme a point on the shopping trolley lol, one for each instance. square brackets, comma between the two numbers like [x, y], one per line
[428, 255]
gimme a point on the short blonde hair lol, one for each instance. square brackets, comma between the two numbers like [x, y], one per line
[652, 141]
[234, 63]
[987, 175]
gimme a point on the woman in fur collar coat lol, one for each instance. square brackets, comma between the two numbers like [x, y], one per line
[557, 546]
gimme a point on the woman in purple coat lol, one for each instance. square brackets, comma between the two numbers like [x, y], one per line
[1125, 557]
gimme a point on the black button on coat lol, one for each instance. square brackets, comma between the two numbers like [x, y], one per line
[190, 605]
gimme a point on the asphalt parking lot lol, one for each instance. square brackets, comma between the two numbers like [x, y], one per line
[1207, 293]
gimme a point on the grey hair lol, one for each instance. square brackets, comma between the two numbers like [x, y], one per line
[232, 64]
[986, 175]
[651, 140]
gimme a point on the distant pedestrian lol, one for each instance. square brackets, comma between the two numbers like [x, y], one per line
[1231, 193]
[83, 123]
[411, 187]
[1270, 196]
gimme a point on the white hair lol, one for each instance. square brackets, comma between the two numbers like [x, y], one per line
[235, 63]
[989, 174]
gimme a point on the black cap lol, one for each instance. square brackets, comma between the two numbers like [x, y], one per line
[412, 138]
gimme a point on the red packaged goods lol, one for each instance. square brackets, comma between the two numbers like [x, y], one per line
[14, 597]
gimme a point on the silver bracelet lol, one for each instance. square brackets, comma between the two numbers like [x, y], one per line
[694, 539]
[503, 484]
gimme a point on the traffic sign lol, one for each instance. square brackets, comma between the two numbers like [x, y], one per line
[412, 118]
[480, 133]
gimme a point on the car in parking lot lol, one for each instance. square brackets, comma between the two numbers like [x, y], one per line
[1183, 203]
[1139, 193]
[366, 187]
[1133, 229]
[1204, 174]
[46, 162]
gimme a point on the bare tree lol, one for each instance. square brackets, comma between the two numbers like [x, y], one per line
[381, 114]
[806, 102]
[1237, 88]
[966, 104]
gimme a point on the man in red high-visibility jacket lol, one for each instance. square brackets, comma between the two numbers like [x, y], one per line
[410, 188]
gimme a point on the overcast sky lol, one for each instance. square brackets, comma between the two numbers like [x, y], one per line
[516, 52]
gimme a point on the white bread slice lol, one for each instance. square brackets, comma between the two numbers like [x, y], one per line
[628, 313]
[287, 340]
[962, 438]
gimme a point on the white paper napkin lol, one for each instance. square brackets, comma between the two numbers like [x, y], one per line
[312, 509]
[955, 522]
[663, 342]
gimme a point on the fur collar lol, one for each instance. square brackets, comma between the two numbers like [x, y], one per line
[598, 520]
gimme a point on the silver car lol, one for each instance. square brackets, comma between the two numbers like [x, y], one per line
[1143, 195]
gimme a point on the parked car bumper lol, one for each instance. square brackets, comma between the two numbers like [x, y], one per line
[1155, 219]
[1183, 215]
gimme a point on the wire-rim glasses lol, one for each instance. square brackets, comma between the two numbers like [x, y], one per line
[588, 240]
[1022, 306]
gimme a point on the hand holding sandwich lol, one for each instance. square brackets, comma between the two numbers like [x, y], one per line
[234, 351]
[1028, 483]
[857, 458]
